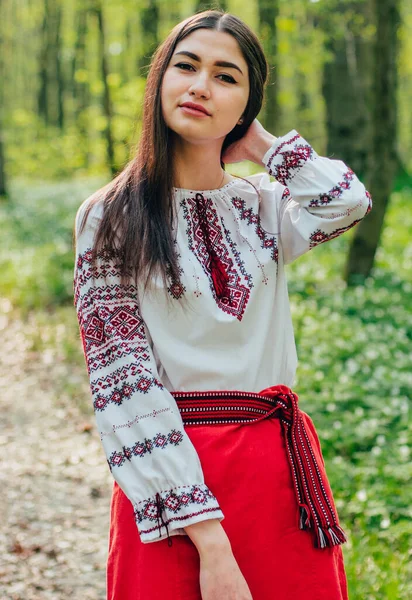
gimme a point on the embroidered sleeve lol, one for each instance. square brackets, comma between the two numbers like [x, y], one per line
[147, 450]
[318, 199]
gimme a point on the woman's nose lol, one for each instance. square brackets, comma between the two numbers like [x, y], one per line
[200, 87]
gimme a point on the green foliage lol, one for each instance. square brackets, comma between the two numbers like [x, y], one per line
[354, 375]
[32, 148]
[36, 252]
[49, 153]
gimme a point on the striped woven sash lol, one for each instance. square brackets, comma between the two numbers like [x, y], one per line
[226, 407]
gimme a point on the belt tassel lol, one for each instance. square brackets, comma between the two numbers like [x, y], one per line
[315, 507]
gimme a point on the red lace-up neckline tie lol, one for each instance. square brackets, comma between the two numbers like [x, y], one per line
[217, 269]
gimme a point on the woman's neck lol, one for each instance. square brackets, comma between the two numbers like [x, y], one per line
[197, 166]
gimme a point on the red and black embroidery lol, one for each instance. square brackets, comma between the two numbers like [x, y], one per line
[121, 384]
[111, 333]
[205, 239]
[176, 288]
[267, 240]
[171, 502]
[319, 236]
[284, 164]
[111, 328]
[107, 264]
[140, 449]
[328, 197]
[240, 263]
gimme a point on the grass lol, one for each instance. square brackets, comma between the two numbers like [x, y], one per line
[354, 376]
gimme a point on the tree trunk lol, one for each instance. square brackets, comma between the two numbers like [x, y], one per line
[383, 161]
[107, 103]
[43, 95]
[51, 91]
[58, 66]
[3, 185]
[268, 12]
[80, 86]
[149, 21]
[79, 81]
[347, 85]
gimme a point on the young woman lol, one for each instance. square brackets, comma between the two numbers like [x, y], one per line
[220, 491]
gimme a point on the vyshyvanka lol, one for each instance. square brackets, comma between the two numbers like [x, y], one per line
[194, 401]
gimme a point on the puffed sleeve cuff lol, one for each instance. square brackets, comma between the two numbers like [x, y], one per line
[287, 155]
[169, 511]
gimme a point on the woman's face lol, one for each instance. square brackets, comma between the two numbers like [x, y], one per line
[199, 72]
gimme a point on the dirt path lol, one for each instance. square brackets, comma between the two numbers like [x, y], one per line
[54, 481]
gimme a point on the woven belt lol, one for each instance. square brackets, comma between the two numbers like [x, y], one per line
[229, 407]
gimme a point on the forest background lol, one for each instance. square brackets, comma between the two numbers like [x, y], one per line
[73, 75]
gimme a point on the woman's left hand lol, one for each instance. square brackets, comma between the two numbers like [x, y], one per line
[252, 146]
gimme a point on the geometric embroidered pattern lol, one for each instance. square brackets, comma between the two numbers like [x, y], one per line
[181, 499]
[319, 236]
[335, 192]
[238, 284]
[117, 379]
[124, 322]
[174, 438]
[94, 329]
[104, 267]
[239, 261]
[142, 384]
[176, 288]
[110, 333]
[110, 323]
[268, 242]
[105, 324]
[285, 163]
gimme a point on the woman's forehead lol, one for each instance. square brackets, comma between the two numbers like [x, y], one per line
[211, 45]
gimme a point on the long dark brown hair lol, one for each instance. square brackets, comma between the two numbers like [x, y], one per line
[138, 202]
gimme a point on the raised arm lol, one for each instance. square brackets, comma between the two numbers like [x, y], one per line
[319, 198]
[147, 450]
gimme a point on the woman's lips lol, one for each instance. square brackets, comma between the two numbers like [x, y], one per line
[193, 111]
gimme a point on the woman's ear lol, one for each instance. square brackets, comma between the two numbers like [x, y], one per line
[240, 121]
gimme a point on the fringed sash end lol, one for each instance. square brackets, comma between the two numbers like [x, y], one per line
[327, 538]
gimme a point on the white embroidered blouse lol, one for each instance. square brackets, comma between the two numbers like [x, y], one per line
[140, 348]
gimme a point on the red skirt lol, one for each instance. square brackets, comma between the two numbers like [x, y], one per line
[247, 469]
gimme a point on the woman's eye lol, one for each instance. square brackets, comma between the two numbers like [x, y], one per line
[229, 78]
[184, 65]
[187, 67]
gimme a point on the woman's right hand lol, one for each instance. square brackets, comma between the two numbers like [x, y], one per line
[221, 578]
[220, 575]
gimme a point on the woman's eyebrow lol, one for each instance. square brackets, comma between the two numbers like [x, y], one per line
[218, 63]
